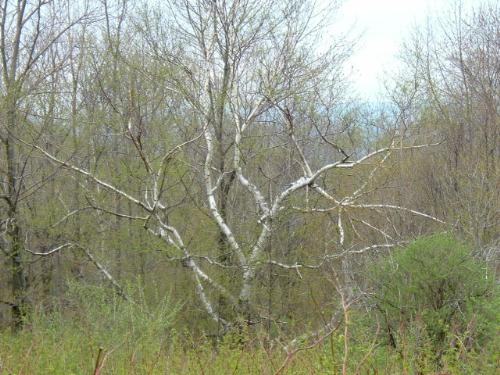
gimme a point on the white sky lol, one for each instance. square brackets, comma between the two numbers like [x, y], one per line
[383, 25]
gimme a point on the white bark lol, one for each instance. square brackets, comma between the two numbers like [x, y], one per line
[166, 232]
[49, 252]
[212, 203]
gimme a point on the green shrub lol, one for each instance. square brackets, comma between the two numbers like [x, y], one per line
[434, 294]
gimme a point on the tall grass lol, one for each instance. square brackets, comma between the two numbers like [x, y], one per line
[131, 342]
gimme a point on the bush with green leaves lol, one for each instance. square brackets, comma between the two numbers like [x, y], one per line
[436, 293]
[106, 315]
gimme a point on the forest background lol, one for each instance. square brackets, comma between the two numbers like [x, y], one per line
[191, 186]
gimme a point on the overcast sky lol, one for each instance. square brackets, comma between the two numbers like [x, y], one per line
[383, 25]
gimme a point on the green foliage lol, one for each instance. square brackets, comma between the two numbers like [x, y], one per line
[106, 316]
[57, 346]
[434, 292]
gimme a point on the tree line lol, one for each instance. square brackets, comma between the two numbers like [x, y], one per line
[212, 151]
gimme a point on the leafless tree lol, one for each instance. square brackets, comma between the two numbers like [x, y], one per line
[30, 33]
[247, 86]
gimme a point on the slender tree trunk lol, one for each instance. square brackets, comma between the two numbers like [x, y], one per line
[76, 266]
[18, 277]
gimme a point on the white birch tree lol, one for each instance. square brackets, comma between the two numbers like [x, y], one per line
[238, 71]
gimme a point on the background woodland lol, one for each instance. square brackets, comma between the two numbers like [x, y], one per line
[194, 183]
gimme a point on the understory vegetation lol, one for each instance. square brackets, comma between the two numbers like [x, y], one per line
[433, 308]
[195, 187]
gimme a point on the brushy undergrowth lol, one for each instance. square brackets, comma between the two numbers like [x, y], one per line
[143, 337]
[60, 347]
